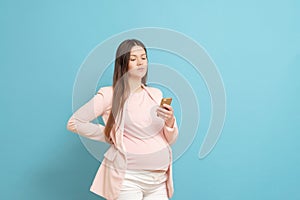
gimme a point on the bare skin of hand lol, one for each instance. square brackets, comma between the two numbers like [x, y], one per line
[166, 112]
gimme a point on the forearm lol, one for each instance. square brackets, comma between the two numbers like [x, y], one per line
[86, 129]
[81, 121]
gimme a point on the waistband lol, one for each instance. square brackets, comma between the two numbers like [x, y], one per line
[146, 176]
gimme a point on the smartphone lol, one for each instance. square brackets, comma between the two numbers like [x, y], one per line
[167, 100]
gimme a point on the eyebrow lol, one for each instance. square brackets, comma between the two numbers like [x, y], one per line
[136, 55]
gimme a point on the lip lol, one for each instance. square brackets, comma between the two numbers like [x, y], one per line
[141, 69]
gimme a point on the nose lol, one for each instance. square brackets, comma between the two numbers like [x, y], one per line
[139, 61]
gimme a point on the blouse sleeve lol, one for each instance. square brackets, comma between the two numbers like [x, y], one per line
[171, 134]
[80, 121]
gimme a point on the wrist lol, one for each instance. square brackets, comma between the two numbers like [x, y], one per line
[170, 122]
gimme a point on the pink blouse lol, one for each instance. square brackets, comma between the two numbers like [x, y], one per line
[143, 137]
[108, 179]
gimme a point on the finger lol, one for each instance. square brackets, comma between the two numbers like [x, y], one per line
[163, 115]
[168, 107]
[165, 107]
[160, 112]
[163, 111]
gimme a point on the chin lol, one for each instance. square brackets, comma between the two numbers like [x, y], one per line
[138, 74]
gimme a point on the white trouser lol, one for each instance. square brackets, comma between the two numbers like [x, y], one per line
[144, 185]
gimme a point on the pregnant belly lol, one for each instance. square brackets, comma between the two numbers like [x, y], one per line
[151, 161]
[150, 154]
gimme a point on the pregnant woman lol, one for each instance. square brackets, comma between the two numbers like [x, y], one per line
[138, 163]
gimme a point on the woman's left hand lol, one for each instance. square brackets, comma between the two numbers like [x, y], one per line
[167, 114]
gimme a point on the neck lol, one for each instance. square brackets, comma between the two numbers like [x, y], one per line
[135, 84]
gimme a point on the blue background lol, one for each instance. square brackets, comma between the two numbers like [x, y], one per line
[255, 44]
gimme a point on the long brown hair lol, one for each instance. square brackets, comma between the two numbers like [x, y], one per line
[121, 88]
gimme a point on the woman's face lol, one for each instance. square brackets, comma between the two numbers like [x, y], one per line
[137, 65]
